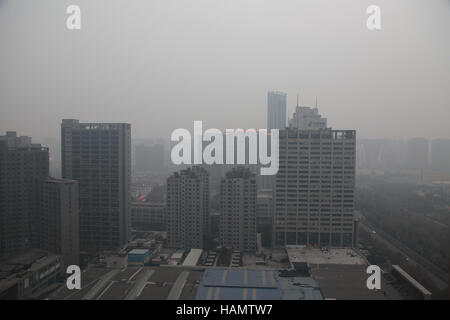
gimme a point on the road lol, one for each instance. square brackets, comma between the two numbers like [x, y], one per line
[439, 276]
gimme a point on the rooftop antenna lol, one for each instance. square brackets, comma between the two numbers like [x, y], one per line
[297, 100]
[316, 103]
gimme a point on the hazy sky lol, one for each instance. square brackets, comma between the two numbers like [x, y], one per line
[160, 64]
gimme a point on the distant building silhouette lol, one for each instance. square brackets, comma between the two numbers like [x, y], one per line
[417, 153]
[149, 158]
[276, 110]
[440, 154]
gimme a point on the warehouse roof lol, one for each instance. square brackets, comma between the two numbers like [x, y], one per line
[239, 284]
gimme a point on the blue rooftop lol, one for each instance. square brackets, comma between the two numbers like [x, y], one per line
[242, 284]
[237, 284]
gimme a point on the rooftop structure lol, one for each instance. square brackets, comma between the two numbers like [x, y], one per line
[193, 257]
[306, 118]
[316, 256]
[252, 284]
[134, 283]
[239, 284]
[29, 274]
[348, 282]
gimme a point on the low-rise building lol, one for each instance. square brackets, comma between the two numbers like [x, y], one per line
[29, 274]
[138, 256]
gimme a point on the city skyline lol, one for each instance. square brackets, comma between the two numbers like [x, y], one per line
[182, 64]
[238, 150]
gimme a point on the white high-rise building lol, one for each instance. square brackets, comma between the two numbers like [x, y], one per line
[188, 208]
[314, 187]
[238, 210]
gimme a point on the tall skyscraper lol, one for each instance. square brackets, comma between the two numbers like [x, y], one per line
[417, 153]
[98, 156]
[314, 187]
[440, 154]
[59, 222]
[23, 168]
[238, 210]
[276, 110]
[188, 208]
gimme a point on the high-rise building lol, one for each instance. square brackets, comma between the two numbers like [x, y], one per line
[188, 208]
[314, 188]
[238, 210]
[149, 158]
[276, 110]
[98, 156]
[418, 153]
[59, 230]
[440, 154]
[23, 168]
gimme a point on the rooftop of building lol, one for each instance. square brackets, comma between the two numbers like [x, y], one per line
[133, 282]
[323, 133]
[300, 288]
[12, 141]
[348, 282]
[274, 92]
[193, 257]
[239, 284]
[14, 268]
[139, 251]
[253, 284]
[73, 123]
[313, 255]
[191, 172]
